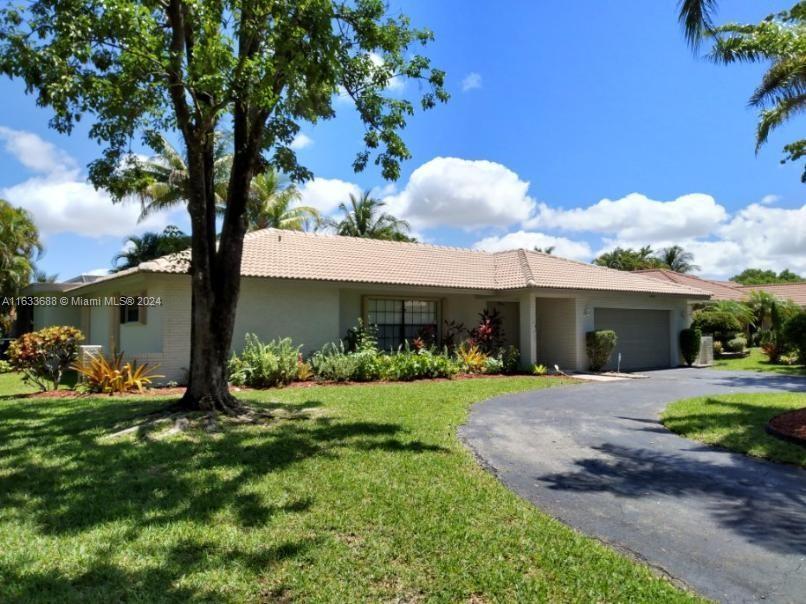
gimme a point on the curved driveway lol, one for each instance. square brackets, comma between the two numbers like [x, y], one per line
[596, 457]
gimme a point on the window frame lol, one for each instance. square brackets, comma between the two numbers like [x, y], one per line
[438, 312]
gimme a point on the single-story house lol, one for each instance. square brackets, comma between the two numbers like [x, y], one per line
[313, 287]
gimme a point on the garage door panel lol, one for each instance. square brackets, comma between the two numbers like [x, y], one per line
[643, 337]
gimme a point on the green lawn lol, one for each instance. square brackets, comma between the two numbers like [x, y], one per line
[355, 493]
[757, 361]
[736, 422]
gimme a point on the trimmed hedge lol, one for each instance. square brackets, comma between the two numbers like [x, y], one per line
[690, 341]
[599, 346]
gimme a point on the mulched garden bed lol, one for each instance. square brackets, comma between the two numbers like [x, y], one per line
[179, 391]
[789, 426]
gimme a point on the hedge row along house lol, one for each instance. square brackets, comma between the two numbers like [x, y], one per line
[314, 287]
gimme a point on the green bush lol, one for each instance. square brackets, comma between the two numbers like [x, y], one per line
[43, 356]
[334, 364]
[690, 340]
[493, 366]
[795, 333]
[737, 344]
[510, 358]
[5, 366]
[716, 323]
[599, 346]
[264, 365]
[717, 348]
[408, 365]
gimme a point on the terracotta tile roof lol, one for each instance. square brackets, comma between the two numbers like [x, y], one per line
[788, 291]
[719, 290]
[297, 255]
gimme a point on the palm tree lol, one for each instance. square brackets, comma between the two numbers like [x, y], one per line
[271, 205]
[677, 259]
[628, 259]
[19, 247]
[41, 276]
[150, 246]
[545, 250]
[364, 218]
[778, 40]
[161, 181]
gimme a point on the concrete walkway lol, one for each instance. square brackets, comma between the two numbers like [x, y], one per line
[596, 457]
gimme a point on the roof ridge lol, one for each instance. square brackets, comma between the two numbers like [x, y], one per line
[527, 270]
[368, 240]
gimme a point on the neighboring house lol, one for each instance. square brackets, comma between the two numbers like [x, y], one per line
[730, 290]
[313, 287]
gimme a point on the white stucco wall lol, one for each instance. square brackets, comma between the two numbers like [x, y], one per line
[557, 332]
[47, 316]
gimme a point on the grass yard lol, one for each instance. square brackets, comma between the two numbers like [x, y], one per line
[354, 493]
[736, 422]
[757, 361]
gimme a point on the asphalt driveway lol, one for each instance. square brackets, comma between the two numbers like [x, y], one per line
[596, 457]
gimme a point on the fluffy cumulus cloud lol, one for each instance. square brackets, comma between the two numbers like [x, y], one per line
[471, 82]
[301, 141]
[469, 194]
[637, 216]
[60, 198]
[566, 248]
[325, 194]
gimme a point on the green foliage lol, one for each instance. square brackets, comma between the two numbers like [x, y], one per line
[757, 276]
[599, 345]
[488, 335]
[43, 356]
[5, 366]
[690, 340]
[720, 324]
[19, 247]
[493, 366]
[737, 344]
[335, 363]
[272, 204]
[364, 217]
[361, 338]
[795, 333]
[471, 359]
[510, 358]
[676, 259]
[627, 259]
[743, 313]
[407, 365]
[149, 246]
[779, 41]
[264, 365]
[113, 376]
[539, 369]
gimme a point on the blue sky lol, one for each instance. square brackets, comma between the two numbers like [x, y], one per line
[555, 108]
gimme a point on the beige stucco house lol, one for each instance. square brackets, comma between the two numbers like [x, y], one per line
[313, 287]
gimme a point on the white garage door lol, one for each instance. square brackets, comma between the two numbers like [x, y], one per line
[643, 337]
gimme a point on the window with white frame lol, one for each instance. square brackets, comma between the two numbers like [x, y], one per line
[402, 320]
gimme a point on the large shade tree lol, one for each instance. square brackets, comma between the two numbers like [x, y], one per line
[258, 68]
[780, 42]
[363, 216]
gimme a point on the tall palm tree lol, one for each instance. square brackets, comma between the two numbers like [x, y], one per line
[271, 205]
[364, 218]
[779, 40]
[162, 180]
[150, 246]
[677, 259]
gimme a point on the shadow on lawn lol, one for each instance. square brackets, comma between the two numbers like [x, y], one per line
[62, 476]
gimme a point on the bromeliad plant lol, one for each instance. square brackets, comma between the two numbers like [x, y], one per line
[43, 356]
[112, 376]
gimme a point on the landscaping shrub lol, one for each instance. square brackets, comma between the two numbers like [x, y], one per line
[335, 364]
[493, 366]
[471, 359]
[539, 369]
[510, 358]
[264, 365]
[599, 346]
[488, 335]
[690, 340]
[408, 365]
[717, 348]
[720, 324]
[795, 333]
[110, 376]
[5, 366]
[737, 344]
[43, 356]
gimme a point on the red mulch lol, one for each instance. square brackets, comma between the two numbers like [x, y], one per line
[790, 425]
[179, 391]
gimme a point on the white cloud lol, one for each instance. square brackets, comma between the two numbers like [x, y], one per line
[448, 191]
[471, 81]
[770, 199]
[566, 248]
[301, 140]
[60, 199]
[636, 216]
[325, 194]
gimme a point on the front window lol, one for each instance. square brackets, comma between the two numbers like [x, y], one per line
[129, 313]
[399, 321]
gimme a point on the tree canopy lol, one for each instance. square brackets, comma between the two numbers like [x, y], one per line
[148, 246]
[758, 276]
[628, 259]
[258, 68]
[780, 41]
[19, 248]
[364, 217]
